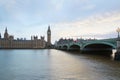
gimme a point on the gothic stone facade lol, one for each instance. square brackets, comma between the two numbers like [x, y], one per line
[9, 42]
[39, 43]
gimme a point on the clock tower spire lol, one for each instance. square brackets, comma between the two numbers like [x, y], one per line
[49, 36]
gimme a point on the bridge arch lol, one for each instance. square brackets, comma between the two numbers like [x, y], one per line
[74, 47]
[59, 47]
[65, 47]
[99, 46]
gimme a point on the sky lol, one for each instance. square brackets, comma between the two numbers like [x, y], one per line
[67, 18]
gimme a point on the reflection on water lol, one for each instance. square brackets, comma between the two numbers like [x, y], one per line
[56, 65]
[113, 53]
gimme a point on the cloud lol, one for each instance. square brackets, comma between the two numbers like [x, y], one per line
[88, 7]
[8, 5]
[70, 5]
[99, 26]
[57, 4]
[101, 19]
[67, 17]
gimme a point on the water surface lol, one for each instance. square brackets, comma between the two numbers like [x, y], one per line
[49, 64]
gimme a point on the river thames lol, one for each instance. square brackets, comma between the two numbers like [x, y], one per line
[50, 64]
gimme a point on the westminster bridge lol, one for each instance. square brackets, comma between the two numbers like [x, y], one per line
[86, 45]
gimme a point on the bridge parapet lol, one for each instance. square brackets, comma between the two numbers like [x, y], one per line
[83, 43]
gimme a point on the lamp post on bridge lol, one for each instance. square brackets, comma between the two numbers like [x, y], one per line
[118, 31]
[117, 54]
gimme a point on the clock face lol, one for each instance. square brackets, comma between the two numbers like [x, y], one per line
[49, 32]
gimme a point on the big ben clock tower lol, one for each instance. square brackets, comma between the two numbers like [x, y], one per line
[48, 37]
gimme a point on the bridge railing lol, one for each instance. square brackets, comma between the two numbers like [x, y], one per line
[83, 42]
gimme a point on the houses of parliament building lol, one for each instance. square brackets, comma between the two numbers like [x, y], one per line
[8, 41]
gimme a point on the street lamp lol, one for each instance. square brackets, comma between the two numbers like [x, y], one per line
[118, 31]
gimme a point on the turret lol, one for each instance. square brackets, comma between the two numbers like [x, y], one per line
[6, 35]
[35, 37]
[42, 37]
[0, 35]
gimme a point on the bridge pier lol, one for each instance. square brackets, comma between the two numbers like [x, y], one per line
[117, 54]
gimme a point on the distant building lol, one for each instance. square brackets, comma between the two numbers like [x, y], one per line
[9, 42]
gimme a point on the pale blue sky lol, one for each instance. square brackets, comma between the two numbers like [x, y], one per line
[68, 18]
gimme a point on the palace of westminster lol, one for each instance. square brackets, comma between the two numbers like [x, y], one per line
[8, 41]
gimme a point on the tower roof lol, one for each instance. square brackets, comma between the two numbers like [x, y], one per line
[49, 28]
[6, 29]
